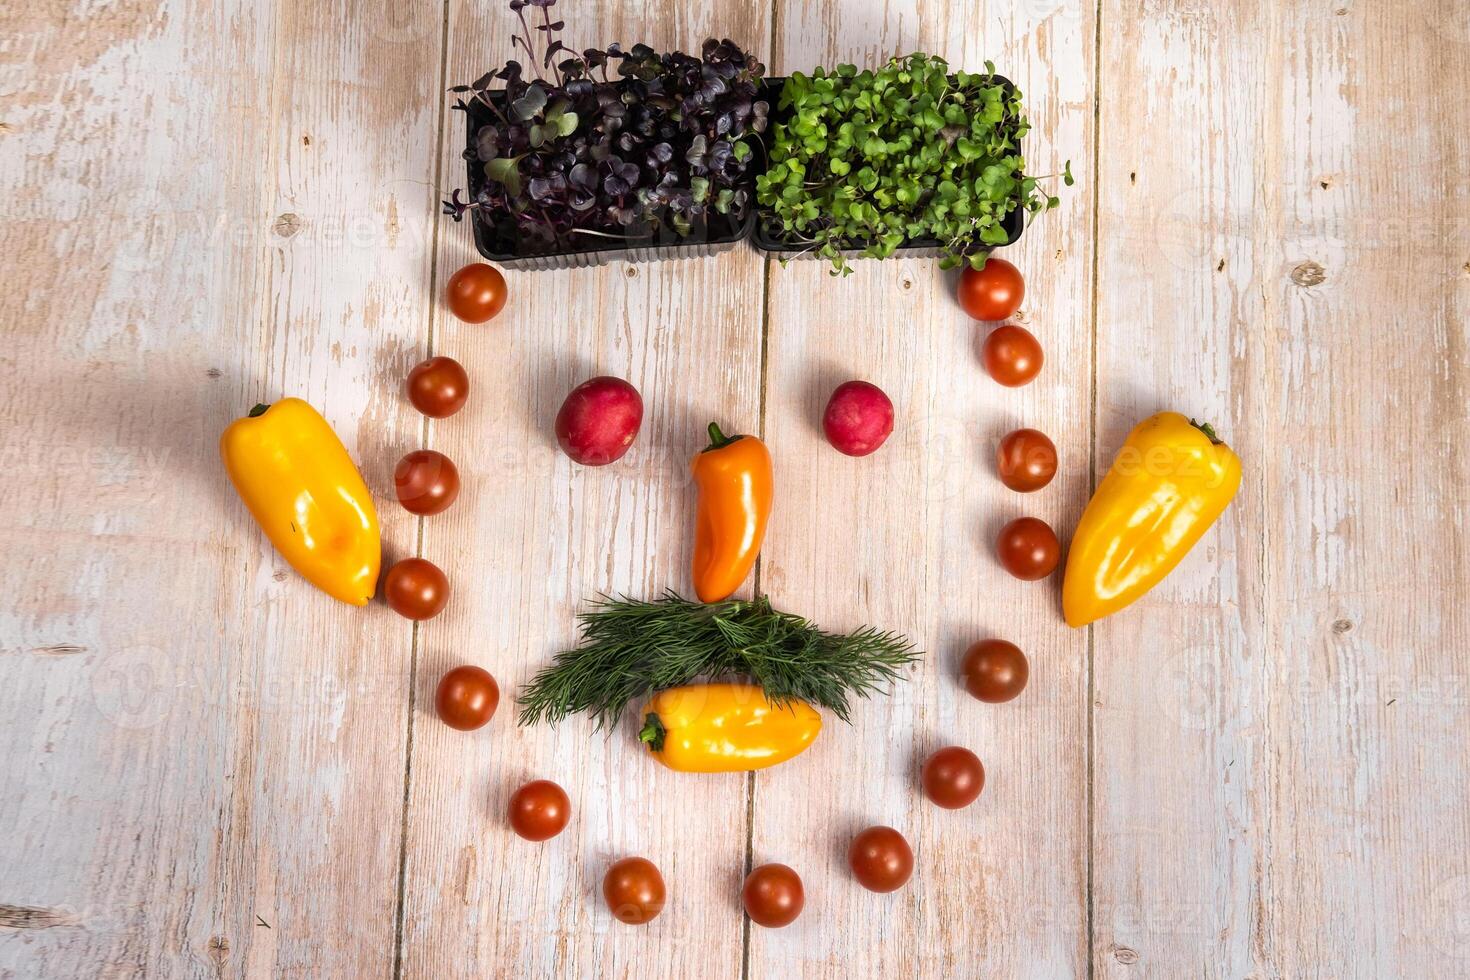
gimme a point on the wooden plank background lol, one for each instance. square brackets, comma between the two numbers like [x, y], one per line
[210, 770]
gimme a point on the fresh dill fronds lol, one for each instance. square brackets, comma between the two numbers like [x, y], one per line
[630, 649]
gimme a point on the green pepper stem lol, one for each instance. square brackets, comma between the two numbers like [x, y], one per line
[257, 411]
[653, 732]
[718, 439]
[1208, 430]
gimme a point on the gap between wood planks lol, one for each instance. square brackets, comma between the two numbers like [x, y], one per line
[750, 776]
[418, 548]
[1097, 18]
[761, 411]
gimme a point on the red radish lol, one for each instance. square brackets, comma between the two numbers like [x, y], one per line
[599, 421]
[858, 418]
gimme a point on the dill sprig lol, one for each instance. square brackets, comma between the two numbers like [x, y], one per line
[630, 649]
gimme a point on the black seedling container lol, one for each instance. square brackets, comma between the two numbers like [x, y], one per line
[499, 238]
[767, 234]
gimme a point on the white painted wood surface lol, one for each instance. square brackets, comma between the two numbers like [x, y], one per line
[206, 206]
[212, 770]
[1280, 764]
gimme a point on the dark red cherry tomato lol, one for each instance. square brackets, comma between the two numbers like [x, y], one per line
[540, 810]
[476, 293]
[466, 698]
[426, 482]
[881, 859]
[995, 671]
[438, 387]
[953, 777]
[1026, 460]
[1028, 548]
[773, 896]
[416, 589]
[634, 891]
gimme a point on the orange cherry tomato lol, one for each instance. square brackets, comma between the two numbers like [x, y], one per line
[992, 293]
[476, 293]
[416, 589]
[466, 698]
[1012, 356]
[540, 810]
[634, 891]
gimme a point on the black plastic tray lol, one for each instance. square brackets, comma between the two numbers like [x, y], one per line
[501, 241]
[766, 235]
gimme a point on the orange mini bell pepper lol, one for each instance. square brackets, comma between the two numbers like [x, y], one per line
[725, 728]
[1169, 483]
[297, 480]
[733, 475]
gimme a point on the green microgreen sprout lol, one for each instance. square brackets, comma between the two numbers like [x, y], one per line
[871, 160]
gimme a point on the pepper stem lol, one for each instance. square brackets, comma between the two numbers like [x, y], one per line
[1208, 430]
[257, 411]
[653, 733]
[718, 439]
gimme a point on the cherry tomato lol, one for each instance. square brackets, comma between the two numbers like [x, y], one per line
[881, 859]
[994, 292]
[995, 671]
[1012, 356]
[1028, 548]
[415, 589]
[540, 810]
[466, 698]
[476, 293]
[634, 891]
[953, 778]
[1026, 460]
[438, 387]
[426, 482]
[773, 896]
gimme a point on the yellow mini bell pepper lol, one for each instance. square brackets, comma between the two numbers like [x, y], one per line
[297, 480]
[1169, 483]
[725, 728]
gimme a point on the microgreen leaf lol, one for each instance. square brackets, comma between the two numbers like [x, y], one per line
[904, 152]
[504, 170]
[528, 105]
[613, 143]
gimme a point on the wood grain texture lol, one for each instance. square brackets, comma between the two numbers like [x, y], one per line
[211, 769]
[207, 206]
[1280, 726]
[904, 539]
[531, 539]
